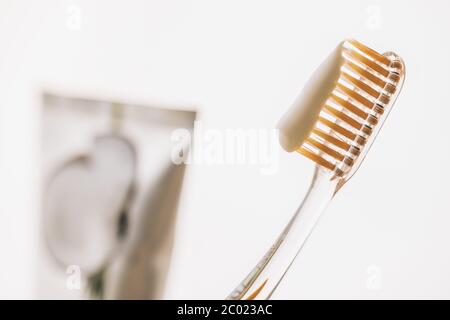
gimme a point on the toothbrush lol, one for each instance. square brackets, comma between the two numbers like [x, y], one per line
[333, 122]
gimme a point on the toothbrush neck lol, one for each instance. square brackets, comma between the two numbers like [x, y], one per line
[266, 276]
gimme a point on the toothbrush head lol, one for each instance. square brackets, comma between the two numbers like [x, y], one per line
[342, 107]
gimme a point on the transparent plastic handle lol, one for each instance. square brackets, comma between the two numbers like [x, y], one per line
[265, 277]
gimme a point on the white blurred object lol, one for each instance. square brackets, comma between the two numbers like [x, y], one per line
[84, 203]
[110, 194]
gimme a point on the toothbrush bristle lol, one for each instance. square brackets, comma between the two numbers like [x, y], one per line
[368, 82]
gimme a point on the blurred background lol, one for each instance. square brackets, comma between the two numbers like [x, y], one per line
[241, 64]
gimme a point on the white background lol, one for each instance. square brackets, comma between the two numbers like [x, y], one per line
[386, 235]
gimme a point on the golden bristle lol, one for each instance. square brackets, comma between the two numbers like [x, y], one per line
[325, 149]
[338, 143]
[355, 96]
[366, 74]
[334, 126]
[371, 64]
[349, 106]
[316, 158]
[342, 116]
[370, 52]
[361, 85]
